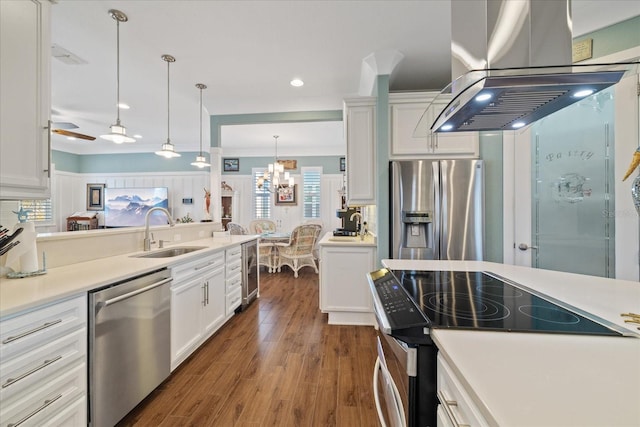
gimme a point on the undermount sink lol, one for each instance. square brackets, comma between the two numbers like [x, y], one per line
[170, 252]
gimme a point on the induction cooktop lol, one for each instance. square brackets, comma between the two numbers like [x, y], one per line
[487, 301]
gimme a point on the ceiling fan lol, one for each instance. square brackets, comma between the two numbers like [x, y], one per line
[62, 128]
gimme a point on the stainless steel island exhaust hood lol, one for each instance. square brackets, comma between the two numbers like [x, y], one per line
[504, 51]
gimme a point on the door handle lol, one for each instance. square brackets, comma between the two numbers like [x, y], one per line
[524, 247]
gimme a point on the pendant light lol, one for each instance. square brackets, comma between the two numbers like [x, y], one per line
[168, 150]
[201, 161]
[118, 132]
[272, 174]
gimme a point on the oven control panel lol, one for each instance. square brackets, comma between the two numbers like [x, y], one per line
[398, 309]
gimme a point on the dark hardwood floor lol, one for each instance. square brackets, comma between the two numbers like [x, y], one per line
[276, 364]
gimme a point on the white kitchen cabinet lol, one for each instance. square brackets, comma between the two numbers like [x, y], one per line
[25, 84]
[43, 365]
[344, 290]
[359, 117]
[233, 288]
[405, 111]
[197, 304]
[456, 405]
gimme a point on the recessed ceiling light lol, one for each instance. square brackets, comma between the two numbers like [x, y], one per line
[446, 127]
[123, 106]
[71, 138]
[297, 83]
[137, 136]
[583, 93]
[518, 125]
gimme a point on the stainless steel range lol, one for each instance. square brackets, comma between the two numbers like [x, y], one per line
[409, 303]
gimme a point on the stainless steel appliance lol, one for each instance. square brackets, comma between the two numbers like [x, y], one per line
[129, 344]
[409, 303]
[249, 272]
[437, 209]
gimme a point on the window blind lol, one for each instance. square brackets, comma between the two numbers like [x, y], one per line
[261, 196]
[311, 192]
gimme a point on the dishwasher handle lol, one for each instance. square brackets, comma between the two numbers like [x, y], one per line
[132, 294]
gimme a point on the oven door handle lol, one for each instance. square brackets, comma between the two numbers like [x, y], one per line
[380, 367]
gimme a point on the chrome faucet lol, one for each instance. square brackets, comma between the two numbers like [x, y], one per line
[360, 224]
[147, 240]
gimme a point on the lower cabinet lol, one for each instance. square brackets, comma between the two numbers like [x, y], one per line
[344, 290]
[43, 365]
[197, 304]
[456, 406]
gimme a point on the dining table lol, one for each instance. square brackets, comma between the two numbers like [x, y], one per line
[274, 240]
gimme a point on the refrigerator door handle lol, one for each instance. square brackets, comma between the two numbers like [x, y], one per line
[437, 212]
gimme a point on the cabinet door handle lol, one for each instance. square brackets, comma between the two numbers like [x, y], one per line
[207, 292]
[204, 296]
[32, 331]
[48, 128]
[204, 266]
[31, 371]
[447, 404]
[35, 411]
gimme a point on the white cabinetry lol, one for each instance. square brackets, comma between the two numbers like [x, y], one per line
[344, 290]
[233, 292]
[360, 134]
[406, 109]
[197, 304]
[43, 365]
[25, 104]
[456, 407]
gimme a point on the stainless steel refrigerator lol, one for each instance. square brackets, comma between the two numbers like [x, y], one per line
[437, 209]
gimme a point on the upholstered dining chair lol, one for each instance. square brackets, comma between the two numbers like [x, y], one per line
[299, 252]
[259, 226]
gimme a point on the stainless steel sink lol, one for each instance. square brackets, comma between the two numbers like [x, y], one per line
[170, 252]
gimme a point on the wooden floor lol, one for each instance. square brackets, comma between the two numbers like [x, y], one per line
[276, 364]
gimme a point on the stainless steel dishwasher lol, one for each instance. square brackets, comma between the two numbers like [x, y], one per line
[129, 344]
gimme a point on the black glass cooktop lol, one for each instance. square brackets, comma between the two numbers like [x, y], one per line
[480, 300]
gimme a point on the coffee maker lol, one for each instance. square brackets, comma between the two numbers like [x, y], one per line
[349, 226]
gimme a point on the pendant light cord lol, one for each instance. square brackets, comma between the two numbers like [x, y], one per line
[201, 122]
[168, 138]
[118, 71]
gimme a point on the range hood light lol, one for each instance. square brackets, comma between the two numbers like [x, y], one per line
[483, 97]
[446, 127]
[518, 125]
[583, 93]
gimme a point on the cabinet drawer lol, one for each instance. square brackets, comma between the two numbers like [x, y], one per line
[234, 282]
[35, 328]
[73, 415]
[201, 265]
[42, 405]
[234, 268]
[24, 372]
[234, 253]
[234, 299]
[455, 402]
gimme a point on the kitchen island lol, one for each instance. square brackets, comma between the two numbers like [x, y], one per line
[538, 379]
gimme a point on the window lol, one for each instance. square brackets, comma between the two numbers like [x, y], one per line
[261, 196]
[311, 192]
[38, 210]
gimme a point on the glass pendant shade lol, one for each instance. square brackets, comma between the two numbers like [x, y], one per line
[201, 161]
[118, 134]
[168, 151]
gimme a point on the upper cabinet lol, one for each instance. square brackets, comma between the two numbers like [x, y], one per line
[360, 135]
[25, 84]
[406, 109]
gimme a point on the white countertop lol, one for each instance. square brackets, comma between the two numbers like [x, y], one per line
[62, 282]
[535, 379]
[330, 240]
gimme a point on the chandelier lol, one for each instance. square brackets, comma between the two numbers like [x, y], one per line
[273, 174]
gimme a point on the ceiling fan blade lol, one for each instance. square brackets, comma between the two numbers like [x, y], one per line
[73, 134]
[64, 125]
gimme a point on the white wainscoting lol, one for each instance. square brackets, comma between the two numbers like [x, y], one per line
[69, 191]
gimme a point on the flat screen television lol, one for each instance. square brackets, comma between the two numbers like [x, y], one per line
[127, 207]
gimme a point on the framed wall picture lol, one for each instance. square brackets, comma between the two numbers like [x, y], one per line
[286, 195]
[343, 166]
[231, 165]
[95, 197]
